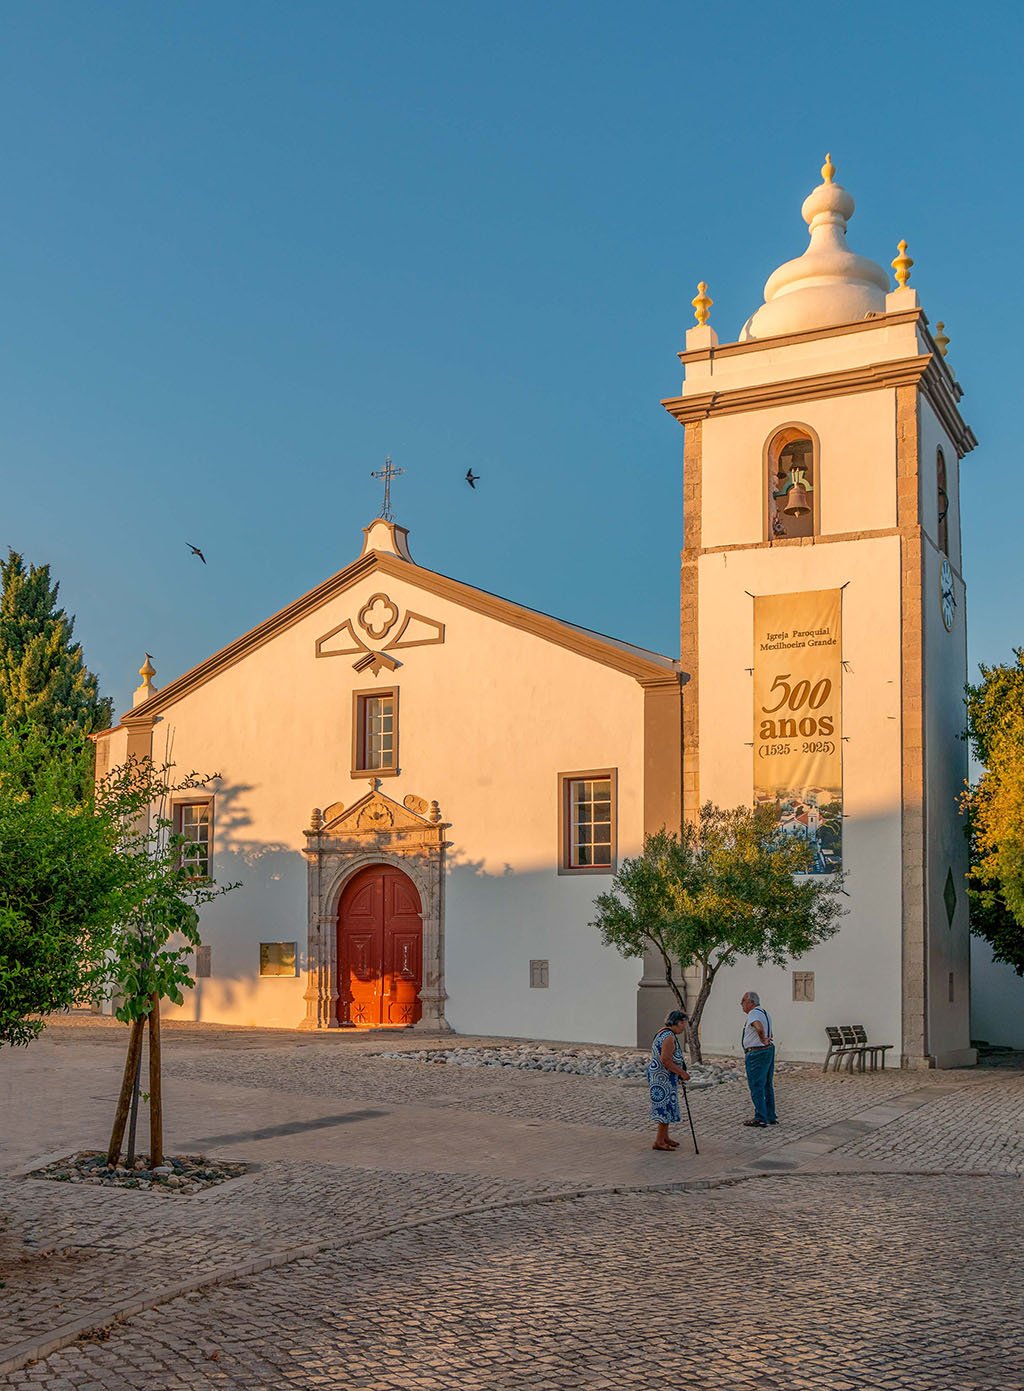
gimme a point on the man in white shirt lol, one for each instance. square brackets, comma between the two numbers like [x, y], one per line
[759, 1053]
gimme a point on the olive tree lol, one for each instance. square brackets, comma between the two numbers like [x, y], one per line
[729, 886]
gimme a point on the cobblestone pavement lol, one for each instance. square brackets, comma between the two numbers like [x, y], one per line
[811, 1101]
[877, 1279]
[971, 1128]
[776, 1283]
[80, 1248]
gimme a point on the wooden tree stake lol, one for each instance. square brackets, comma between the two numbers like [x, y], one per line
[124, 1101]
[156, 1107]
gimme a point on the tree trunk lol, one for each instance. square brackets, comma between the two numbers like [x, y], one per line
[134, 1116]
[707, 979]
[131, 1067]
[156, 1104]
[670, 980]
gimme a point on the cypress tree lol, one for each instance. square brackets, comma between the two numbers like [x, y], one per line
[44, 682]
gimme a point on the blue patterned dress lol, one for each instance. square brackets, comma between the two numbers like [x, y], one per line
[664, 1091]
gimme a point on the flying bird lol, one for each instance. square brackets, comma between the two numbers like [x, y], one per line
[196, 551]
[471, 477]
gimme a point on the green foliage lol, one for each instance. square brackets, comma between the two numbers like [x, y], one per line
[729, 886]
[995, 810]
[43, 678]
[95, 891]
[159, 892]
[59, 877]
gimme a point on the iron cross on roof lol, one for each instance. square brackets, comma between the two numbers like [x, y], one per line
[387, 473]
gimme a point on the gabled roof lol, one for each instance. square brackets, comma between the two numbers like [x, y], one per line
[648, 668]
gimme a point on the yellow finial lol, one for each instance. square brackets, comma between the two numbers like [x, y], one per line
[828, 170]
[901, 265]
[702, 303]
[145, 689]
[942, 338]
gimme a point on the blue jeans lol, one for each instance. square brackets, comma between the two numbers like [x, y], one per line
[760, 1077]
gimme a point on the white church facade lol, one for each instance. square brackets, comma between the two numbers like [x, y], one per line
[430, 852]
[426, 851]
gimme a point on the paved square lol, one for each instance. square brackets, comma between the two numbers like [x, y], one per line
[416, 1226]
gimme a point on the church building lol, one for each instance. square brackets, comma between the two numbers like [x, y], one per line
[430, 854]
[427, 852]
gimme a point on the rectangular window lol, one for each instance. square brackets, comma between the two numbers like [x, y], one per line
[375, 733]
[277, 958]
[803, 985]
[194, 822]
[587, 822]
[538, 975]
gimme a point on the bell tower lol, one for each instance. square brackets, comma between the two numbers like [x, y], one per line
[823, 629]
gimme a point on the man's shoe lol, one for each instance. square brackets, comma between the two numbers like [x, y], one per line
[761, 1125]
[774, 1122]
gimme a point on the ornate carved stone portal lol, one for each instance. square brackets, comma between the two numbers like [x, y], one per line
[340, 842]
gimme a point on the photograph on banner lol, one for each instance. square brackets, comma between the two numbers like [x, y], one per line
[798, 706]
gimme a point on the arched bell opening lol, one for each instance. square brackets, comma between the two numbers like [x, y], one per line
[791, 484]
[942, 499]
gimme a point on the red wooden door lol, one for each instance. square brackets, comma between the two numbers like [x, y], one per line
[380, 949]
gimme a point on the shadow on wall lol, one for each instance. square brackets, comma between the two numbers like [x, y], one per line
[269, 906]
[494, 929]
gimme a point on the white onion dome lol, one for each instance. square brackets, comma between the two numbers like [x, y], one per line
[828, 284]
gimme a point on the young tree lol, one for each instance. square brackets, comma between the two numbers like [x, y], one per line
[161, 887]
[96, 895]
[995, 810]
[59, 878]
[729, 886]
[43, 678]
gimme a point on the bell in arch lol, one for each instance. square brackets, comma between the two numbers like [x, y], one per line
[798, 502]
[797, 494]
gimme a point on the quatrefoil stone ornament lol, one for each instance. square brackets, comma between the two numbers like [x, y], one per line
[378, 616]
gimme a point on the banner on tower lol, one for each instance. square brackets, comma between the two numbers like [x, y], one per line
[798, 695]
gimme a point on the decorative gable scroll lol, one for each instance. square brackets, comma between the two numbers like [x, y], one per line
[375, 815]
[377, 629]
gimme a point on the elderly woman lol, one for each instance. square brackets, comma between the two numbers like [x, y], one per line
[667, 1063]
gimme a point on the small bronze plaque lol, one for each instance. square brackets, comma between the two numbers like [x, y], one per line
[277, 958]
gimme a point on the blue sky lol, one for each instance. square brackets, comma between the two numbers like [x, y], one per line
[248, 249]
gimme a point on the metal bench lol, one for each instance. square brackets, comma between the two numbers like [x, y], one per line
[849, 1044]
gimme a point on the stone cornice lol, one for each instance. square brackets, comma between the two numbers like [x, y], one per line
[913, 531]
[807, 335]
[936, 382]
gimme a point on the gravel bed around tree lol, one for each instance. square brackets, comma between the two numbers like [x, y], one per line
[628, 1064]
[178, 1174]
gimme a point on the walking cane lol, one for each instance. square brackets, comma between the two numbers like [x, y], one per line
[689, 1117]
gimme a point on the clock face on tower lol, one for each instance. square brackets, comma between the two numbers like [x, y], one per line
[946, 591]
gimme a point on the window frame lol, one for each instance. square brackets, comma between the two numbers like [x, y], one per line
[796, 429]
[565, 826]
[178, 806]
[359, 699]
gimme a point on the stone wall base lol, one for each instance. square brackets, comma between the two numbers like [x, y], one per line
[957, 1057]
[653, 1002]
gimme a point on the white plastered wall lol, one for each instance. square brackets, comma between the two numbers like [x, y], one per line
[487, 721]
[997, 999]
[945, 657]
[857, 972]
[857, 472]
